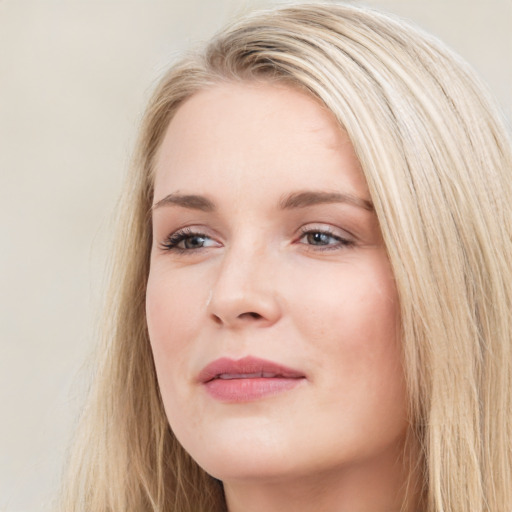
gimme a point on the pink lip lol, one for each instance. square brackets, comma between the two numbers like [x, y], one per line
[247, 379]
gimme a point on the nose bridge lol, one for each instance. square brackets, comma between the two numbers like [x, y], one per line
[244, 290]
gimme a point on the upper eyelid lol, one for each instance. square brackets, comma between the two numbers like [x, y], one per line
[322, 231]
[190, 232]
[326, 228]
[192, 229]
[339, 240]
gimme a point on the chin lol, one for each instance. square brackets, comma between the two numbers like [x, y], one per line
[242, 466]
[248, 454]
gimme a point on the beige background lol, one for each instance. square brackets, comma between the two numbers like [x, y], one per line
[74, 76]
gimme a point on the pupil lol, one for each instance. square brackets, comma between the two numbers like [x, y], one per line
[318, 239]
[194, 242]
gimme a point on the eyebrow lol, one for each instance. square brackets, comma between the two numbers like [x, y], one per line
[291, 201]
[191, 201]
[312, 198]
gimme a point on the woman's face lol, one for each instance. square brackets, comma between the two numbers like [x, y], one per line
[272, 310]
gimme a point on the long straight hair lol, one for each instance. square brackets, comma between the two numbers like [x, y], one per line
[438, 162]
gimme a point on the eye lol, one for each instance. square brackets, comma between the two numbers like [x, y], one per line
[323, 238]
[187, 240]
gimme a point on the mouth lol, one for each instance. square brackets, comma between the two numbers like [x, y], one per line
[263, 375]
[247, 379]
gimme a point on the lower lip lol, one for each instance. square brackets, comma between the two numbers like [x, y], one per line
[248, 390]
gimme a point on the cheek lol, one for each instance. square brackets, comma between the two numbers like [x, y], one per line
[173, 317]
[361, 354]
[173, 310]
[351, 319]
[355, 302]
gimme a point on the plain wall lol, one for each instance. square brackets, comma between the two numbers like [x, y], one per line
[74, 78]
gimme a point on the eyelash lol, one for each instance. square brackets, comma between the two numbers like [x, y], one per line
[171, 243]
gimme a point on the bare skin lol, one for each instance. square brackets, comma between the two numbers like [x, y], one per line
[266, 246]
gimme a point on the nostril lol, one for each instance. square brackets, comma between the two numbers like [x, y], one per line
[251, 314]
[217, 319]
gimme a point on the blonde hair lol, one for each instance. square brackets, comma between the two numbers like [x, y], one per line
[438, 161]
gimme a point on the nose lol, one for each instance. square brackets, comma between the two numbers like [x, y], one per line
[245, 292]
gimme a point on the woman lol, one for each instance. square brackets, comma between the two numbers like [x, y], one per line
[310, 301]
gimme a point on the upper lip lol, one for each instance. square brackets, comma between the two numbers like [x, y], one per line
[247, 367]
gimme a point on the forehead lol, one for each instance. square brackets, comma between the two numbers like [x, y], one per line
[258, 134]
